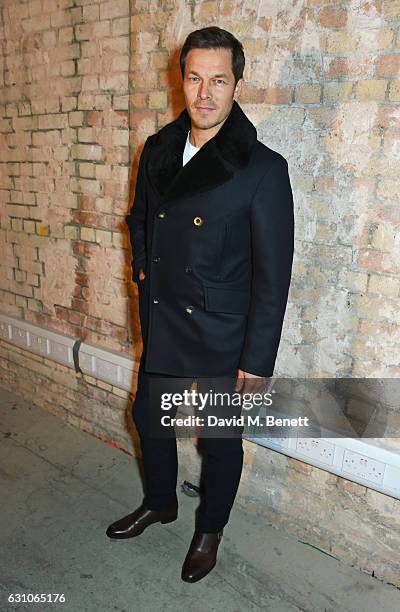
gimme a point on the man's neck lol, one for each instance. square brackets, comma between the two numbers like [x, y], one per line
[198, 138]
[190, 140]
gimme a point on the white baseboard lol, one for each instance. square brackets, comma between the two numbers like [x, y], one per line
[359, 461]
[107, 365]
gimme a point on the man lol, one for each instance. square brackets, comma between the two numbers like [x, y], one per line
[211, 232]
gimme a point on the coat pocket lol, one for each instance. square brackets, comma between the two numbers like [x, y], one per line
[221, 299]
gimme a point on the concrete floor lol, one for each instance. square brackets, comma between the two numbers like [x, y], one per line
[60, 488]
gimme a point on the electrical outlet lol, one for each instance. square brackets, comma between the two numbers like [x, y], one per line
[280, 442]
[316, 448]
[363, 466]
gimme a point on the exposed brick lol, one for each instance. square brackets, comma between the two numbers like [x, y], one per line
[388, 189]
[114, 8]
[388, 116]
[394, 91]
[388, 66]
[157, 99]
[391, 9]
[308, 94]
[340, 42]
[149, 21]
[371, 90]
[332, 18]
[379, 307]
[352, 487]
[93, 152]
[71, 232]
[87, 233]
[387, 331]
[376, 261]
[335, 67]
[278, 95]
[42, 230]
[384, 285]
[356, 281]
[29, 227]
[336, 92]
[104, 237]
[47, 122]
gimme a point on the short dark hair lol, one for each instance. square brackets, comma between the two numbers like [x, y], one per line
[213, 37]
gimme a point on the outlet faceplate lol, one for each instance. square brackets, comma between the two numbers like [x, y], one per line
[363, 466]
[316, 448]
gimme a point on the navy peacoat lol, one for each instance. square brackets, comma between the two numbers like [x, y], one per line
[215, 240]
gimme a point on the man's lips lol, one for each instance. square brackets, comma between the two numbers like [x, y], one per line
[204, 109]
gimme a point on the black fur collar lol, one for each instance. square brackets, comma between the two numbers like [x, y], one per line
[205, 170]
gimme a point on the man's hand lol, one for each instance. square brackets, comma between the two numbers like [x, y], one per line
[250, 383]
[142, 275]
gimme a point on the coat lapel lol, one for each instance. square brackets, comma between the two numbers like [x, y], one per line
[207, 169]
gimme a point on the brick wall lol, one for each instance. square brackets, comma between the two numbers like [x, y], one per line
[82, 85]
[65, 176]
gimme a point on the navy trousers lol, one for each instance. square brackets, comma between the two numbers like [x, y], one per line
[222, 465]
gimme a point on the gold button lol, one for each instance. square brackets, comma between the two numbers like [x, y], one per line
[198, 221]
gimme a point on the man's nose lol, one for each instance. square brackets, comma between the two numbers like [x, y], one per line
[203, 91]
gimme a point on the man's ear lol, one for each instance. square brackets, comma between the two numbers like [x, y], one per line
[238, 88]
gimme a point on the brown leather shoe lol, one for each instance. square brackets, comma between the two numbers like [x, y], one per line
[135, 523]
[201, 556]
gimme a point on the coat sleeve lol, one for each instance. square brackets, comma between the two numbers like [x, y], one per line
[136, 218]
[272, 243]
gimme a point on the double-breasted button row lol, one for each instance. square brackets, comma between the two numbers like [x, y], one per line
[197, 220]
[189, 309]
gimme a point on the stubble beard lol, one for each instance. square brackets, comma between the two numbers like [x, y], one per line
[207, 123]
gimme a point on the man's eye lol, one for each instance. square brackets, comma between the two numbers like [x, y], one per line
[219, 81]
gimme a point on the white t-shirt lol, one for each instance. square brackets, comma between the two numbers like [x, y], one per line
[189, 151]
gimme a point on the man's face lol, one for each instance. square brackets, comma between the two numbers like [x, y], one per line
[209, 87]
